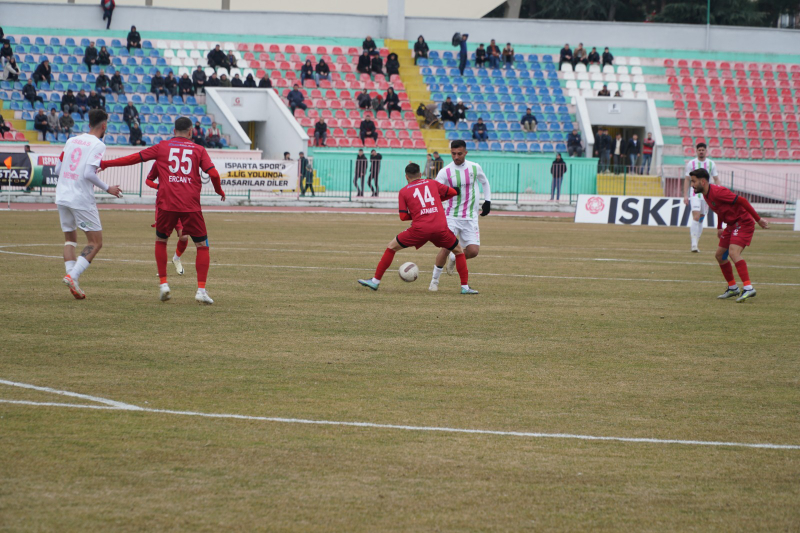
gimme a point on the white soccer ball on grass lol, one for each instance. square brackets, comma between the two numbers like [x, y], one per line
[409, 272]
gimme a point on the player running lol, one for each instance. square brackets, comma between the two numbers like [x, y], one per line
[421, 203]
[183, 238]
[698, 203]
[179, 163]
[462, 211]
[75, 197]
[738, 214]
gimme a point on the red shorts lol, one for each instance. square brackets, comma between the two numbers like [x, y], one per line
[738, 235]
[192, 222]
[417, 238]
[178, 226]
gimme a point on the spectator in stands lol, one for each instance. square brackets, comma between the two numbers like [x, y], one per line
[369, 44]
[377, 104]
[265, 83]
[428, 172]
[237, 81]
[103, 57]
[130, 114]
[213, 80]
[608, 57]
[376, 64]
[392, 102]
[574, 144]
[438, 163]
[463, 54]
[306, 72]
[135, 137]
[43, 73]
[368, 129]
[617, 94]
[232, 60]
[618, 151]
[493, 54]
[508, 55]
[361, 171]
[579, 56]
[480, 56]
[40, 123]
[296, 98]
[90, 55]
[3, 128]
[171, 85]
[449, 111]
[199, 79]
[216, 58]
[108, 10]
[198, 135]
[117, 85]
[633, 150]
[250, 82]
[101, 84]
[461, 110]
[428, 112]
[604, 91]
[363, 99]
[565, 56]
[134, 39]
[157, 85]
[52, 121]
[647, 153]
[420, 49]
[66, 123]
[10, 70]
[593, 58]
[306, 174]
[213, 136]
[392, 66]
[185, 86]
[605, 144]
[6, 52]
[479, 132]
[528, 121]
[29, 93]
[557, 170]
[363, 65]
[322, 71]
[374, 171]
[68, 102]
[224, 81]
[287, 156]
[96, 101]
[82, 103]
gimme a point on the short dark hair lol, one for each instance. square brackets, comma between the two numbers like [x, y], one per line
[458, 144]
[412, 169]
[183, 124]
[701, 145]
[700, 173]
[97, 117]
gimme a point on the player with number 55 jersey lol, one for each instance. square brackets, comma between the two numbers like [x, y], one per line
[179, 162]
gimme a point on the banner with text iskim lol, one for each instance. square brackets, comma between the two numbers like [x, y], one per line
[636, 211]
[257, 175]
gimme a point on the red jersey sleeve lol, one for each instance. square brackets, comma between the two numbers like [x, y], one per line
[445, 192]
[205, 160]
[152, 177]
[725, 196]
[401, 200]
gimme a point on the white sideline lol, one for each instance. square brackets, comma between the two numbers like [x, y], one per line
[298, 267]
[111, 403]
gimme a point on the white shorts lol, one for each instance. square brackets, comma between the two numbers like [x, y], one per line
[466, 230]
[72, 219]
[698, 203]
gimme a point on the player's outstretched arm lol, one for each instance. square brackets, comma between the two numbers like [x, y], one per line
[91, 175]
[487, 192]
[753, 213]
[215, 181]
[148, 154]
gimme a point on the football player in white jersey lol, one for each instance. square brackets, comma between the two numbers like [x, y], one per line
[698, 203]
[462, 210]
[77, 177]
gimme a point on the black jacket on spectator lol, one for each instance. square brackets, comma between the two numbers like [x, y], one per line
[420, 49]
[96, 102]
[43, 72]
[448, 110]
[40, 120]
[212, 81]
[199, 75]
[391, 99]
[136, 135]
[185, 85]
[295, 97]
[608, 58]
[250, 82]
[134, 39]
[322, 68]
[565, 56]
[265, 83]
[307, 71]
[129, 114]
[574, 139]
[156, 82]
[375, 168]
[29, 92]
[558, 168]
[364, 101]
[634, 147]
[217, 58]
[480, 56]
[367, 127]
[369, 44]
[528, 117]
[376, 64]
[116, 79]
[392, 65]
[320, 127]
[82, 101]
[170, 83]
[101, 82]
[90, 54]
[593, 57]
[237, 82]
[67, 99]
[478, 127]
[103, 58]
[6, 51]
[361, 166]
[363, 64]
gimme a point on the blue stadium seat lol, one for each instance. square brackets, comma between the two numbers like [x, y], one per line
[495, 147]
[110, 139]
[521, 147]
[508, 147]
[471, 145]
[561, 147]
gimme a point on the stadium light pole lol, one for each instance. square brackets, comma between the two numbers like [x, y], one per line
[708, 24]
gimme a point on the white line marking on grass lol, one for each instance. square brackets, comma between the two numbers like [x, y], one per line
[365, 269]
[111, 403]
[370, 425]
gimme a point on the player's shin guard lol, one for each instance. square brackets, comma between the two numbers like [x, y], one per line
[727, 272]
[741, 268]
[161, 260]
[181, 247]
[202, 262]
[385, 263]
[461, 266]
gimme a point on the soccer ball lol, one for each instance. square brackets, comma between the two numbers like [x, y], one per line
[409, 272]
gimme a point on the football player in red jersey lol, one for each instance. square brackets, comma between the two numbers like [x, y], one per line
[421, 203]
[183, 238]
[179, 163]
[740, 218]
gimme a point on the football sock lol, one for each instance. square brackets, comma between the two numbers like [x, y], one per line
[181, 247]
[741, 268]
[69, 265]
[376, 281]
[437, 272]
[700, 226]
[696, 229]
[727, 272]
[461, 266]
[201, 263]
[385, 263]
[161, 260]
[80, 265]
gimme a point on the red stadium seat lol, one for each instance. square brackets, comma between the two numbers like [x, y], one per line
[742, 154]
[756, 154]
[419, 144]
[770, 154]
[395, 143]
[689, 150]
[796, 155]
[729, 154]
[243, 47]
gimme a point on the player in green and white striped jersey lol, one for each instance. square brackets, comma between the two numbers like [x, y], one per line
[462, 211]
[697, 202]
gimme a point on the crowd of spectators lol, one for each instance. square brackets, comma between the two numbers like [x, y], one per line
[618, 155]
[579, 55]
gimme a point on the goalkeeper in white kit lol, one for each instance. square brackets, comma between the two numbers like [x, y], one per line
[462, 210]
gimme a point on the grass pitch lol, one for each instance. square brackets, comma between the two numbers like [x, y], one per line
[579, 329]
